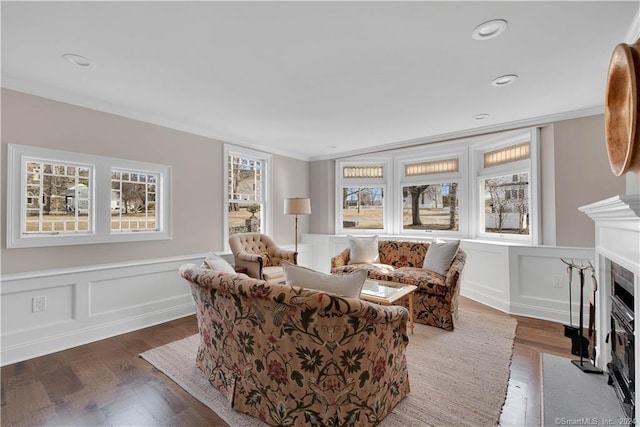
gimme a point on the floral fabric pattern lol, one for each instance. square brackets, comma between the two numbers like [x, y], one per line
[435, 300]
[293, 356]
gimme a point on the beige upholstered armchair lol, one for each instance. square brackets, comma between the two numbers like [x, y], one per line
[260, 255]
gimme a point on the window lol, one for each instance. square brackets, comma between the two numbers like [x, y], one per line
[430, 195]
[506, 204]
[62, 198]
[430, 207]
[480, 187]
[361, 198]
[133, 201]
[57, 198]
[363, 207]
[506, 188]
[246, 189]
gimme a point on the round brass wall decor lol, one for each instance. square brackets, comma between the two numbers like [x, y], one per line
[621, 109]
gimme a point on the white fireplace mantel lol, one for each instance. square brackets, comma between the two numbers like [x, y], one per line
[617, 226]
[617, 208]
[617, 229]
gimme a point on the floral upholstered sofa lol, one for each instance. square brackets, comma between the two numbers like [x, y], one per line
[435, 300]
[293, 356]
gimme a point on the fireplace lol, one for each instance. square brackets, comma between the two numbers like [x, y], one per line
[622, 366]
[617, 264]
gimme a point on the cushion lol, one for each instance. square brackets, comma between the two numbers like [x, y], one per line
[363, 249]
[273, 273]
[216, 262]
[440, 256]
[348, 285]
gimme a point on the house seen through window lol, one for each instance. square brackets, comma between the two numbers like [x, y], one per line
[245, 194]
[57, 198]
[506, 205]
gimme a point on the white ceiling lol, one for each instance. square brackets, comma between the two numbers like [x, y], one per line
[316, 80]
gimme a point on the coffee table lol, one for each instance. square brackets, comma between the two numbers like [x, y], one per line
[387, 293]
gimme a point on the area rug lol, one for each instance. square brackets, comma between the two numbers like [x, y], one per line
[457, 378]
[571, 397]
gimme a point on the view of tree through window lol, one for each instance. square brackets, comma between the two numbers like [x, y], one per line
[506, 204]
[133, 201]
[430, 207]
[245, 194]
[362, 207]
[57, 198]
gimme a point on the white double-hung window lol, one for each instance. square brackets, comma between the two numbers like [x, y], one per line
[247, 208]
[63, 198]
[506, 181]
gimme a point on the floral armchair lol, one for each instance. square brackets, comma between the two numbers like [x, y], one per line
[294, 356]
[260, 255]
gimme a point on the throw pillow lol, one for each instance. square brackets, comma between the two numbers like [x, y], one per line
[363, 249]
[216, 262]
[440, 256]
[348, 285]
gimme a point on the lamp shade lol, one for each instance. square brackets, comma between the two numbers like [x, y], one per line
[297, 206]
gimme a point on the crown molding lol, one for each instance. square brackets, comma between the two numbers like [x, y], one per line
[82, 101]
[469, 133]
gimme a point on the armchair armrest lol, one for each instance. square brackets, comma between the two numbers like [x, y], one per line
[453, 274]
[252, 262]
[285, 255]
[341, 259]
[249, 257]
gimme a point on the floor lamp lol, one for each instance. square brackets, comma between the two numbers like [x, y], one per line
[297, 206]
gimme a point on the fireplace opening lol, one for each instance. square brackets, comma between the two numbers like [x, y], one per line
[622, 366]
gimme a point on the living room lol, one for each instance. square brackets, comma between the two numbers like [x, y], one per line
[117, 106]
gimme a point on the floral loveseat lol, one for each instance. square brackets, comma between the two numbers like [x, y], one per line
[435, 300]
[293, 356]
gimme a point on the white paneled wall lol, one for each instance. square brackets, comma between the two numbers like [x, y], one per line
[485, 278]
[88, 304]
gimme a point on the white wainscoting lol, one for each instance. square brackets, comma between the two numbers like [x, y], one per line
[96, 302]
[89, 303]
[516, 279]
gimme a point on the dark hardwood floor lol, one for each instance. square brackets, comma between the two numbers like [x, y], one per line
[106, 383]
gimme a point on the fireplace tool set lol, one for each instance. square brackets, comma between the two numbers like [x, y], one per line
[580, 343]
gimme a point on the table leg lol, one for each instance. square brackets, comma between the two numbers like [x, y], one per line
[411, 312]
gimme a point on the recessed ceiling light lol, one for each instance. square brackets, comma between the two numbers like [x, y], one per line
[482, 116]
[78, 60]
[505, 80]
[490, 29]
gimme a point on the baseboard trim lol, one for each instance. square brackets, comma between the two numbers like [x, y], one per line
[54, 343]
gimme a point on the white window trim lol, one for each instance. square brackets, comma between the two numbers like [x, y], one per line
[386, 183]
[530, 166]
[101, 194]
[449, 151]
[267, 212]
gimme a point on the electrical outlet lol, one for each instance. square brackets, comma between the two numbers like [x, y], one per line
[558, 281]
[38, 304]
